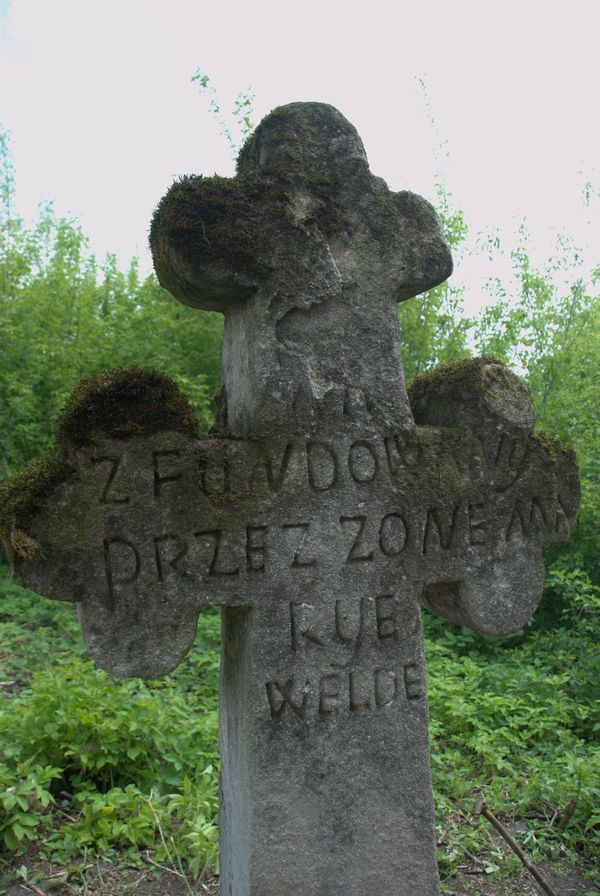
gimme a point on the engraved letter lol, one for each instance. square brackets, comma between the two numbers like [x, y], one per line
[509, 460]
[477, 524]
[362, 462]
[215, 569]
[256, 548]
[526, 517]
[342, 617]
[357, 551]
[359, 699]
[387, 626]
[386, 687]
[116, 546]
[276, 480]
[392, 535]
[105, 498]
[298, 561]
[301, 628]
[399, 455]
[282, 695]
[329, 694]
[181, 550]
[438, 528]
[413, 681]
[158, 479]
[208, 476]
[322, 466]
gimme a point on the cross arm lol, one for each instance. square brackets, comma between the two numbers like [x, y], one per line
[303, 192]
[207, 238]
[522, 494]
[421, 245]
[121, 522]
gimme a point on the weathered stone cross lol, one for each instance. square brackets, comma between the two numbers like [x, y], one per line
[319, 515]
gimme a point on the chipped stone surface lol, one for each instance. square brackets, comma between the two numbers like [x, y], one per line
[319, 515]
[307, 256]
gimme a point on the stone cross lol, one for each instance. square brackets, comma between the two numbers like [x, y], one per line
[320, 513]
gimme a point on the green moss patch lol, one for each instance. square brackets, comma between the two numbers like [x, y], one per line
[213, 219]
[20, 496]
[468, 371]
[304, 126]
[554, 447]
[120, 403]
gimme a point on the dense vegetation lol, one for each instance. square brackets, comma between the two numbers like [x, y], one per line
[92, 765]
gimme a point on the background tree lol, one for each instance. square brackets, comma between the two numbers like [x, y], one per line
[64, 316]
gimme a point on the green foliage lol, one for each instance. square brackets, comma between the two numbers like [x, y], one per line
[236, 126]
[34, 634]
[64, 316]
[433, 326]
[552, 334]
[133, 763]
[519, 721]
[24, 799]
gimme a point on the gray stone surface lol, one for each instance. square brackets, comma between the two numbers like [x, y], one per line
[321, 512]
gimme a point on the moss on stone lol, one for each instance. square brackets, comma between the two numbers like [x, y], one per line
[120, 403]
[554, 447]
[117, 403]
[213, 219]
[467, 370]
[21, 495]
[292, 147]
[294, 133]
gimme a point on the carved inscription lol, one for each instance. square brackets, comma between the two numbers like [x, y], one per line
[333, 633]
[217, 566]
[346, 621]
[121, 554]
[357, 552]
[360, 538]
[160, 461]
[505, 459]
[256, 548]
[107, 497]
[169, 551]
[532, 515]
[345, 692]
[301, 558]
[317, 465]
[440, 526]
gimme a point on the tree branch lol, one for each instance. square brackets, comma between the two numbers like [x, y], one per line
[482, 809]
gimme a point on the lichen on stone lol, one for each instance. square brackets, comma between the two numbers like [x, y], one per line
[123, 402]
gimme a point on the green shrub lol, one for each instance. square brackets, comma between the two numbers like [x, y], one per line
[134, 763]
[518, 720]
[24, 800]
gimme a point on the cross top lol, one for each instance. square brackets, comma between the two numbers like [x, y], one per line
[306, 253]
[319, 515]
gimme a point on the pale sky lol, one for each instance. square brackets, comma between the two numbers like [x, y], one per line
[103, 114]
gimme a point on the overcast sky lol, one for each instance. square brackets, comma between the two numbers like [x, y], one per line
[103, 114]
